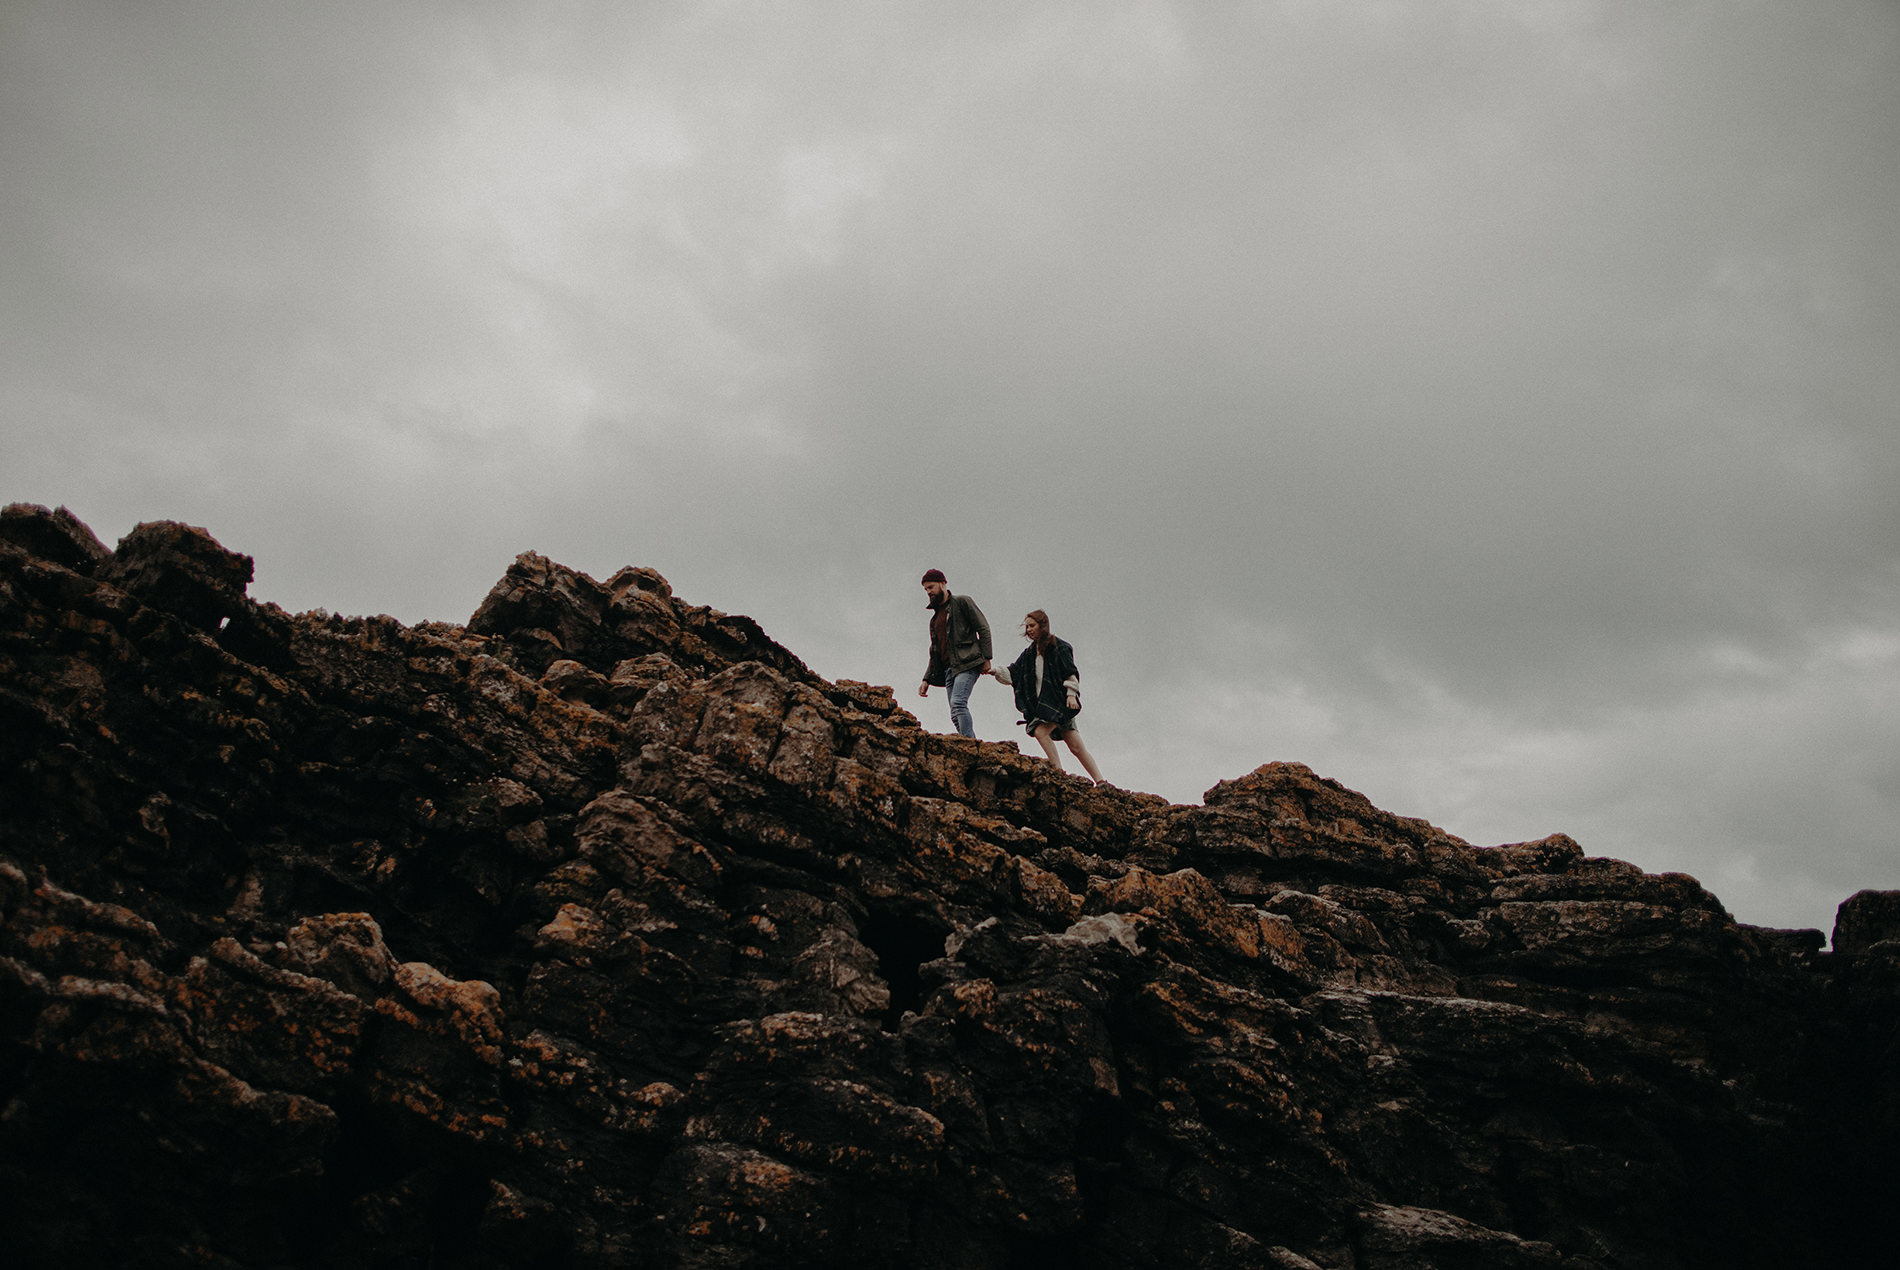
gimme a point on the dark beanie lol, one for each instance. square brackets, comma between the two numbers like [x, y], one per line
[934, 575]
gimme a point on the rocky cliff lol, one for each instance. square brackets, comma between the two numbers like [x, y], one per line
[602, 932]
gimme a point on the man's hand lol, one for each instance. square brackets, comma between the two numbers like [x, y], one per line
[923, 689]
[985, 670]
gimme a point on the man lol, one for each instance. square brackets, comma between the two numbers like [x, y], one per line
[959, 649]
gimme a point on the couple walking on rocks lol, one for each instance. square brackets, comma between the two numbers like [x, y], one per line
[1048, 687]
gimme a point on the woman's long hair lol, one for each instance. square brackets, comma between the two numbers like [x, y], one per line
[1045, 640]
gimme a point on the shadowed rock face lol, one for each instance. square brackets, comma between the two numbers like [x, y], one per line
[602, 932]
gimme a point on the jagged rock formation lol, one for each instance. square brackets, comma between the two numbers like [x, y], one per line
[602, 932]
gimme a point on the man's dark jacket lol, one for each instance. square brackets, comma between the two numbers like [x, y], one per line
[969, 641]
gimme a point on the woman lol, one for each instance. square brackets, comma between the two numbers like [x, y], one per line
[1048, 691]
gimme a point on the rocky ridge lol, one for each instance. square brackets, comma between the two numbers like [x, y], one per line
[602, 931]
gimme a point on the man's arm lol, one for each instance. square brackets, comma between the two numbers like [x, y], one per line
[933, 670]
[982, 631]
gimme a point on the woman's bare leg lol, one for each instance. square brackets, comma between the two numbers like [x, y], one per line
[1081, 751]
[1048, 745]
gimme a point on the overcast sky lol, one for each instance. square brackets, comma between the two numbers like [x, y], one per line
[1493, 405]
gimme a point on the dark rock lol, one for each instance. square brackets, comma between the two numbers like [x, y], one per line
[56, 536]
[603, 932]
[1866, 918]
[180, 569]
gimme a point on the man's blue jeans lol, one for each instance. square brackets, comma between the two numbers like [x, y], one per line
[958, 683]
